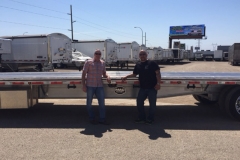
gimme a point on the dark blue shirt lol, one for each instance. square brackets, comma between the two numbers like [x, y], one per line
[147, 73]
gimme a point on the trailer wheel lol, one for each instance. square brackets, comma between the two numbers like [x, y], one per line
[196, 97]
[232, 103]
[222, 98]
[203, 100]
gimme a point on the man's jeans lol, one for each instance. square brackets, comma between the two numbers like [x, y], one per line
[99, 93]
[152, 98]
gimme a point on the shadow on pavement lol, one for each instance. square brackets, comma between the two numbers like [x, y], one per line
[177, 117]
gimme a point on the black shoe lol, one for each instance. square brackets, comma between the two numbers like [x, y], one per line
[139, 121]
[104, 123]
[93, 122]
[149, 122]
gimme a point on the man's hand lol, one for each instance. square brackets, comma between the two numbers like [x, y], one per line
[157, 87]
[84, 88]
[108, 79]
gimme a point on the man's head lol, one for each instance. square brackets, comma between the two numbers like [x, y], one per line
[143, 55]
[97, 55]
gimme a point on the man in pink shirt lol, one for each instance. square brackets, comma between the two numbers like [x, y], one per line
[93, 70]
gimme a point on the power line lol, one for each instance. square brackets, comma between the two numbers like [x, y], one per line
[45, 27]
[105, 27]
[33, 25]
[34, 13]
[63, 19]
[38, 6]
[73, 16]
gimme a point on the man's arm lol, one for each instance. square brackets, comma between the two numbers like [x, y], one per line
[84, 72]
[105, 75]
[84, 88]
[128, 76]
[158, 76]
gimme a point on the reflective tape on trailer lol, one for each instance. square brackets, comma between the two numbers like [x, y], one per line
[120, 82]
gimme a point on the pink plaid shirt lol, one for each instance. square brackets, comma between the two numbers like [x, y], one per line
[94, 70]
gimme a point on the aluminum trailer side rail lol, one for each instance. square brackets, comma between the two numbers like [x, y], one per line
[23, 89]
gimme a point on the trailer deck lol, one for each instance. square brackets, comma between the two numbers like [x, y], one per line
[23, 89]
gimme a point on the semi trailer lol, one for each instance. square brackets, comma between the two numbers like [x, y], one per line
[39, 52]
[234, 54]
[23, 90]
[108, 47]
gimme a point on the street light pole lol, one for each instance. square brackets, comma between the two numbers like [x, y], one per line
[142, 33]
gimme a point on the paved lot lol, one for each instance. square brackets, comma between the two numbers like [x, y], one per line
[184, 129]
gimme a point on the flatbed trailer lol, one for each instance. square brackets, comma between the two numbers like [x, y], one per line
[24, 89]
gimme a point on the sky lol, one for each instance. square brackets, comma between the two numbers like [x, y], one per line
[104, 19]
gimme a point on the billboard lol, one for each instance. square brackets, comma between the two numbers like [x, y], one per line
[176, 44]
[191, 30]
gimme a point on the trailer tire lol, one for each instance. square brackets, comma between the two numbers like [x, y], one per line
[232, 104]
[203, 100]
[222, 98]
[196, 97]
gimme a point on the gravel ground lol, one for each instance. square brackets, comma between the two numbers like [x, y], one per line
[184, 129]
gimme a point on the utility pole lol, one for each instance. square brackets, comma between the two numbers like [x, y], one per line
[145, 39]
[71, 21]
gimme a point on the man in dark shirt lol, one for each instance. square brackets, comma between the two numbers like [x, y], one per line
[150, 79]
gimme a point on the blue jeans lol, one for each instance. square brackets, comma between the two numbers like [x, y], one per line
[99, 93]
[152, 98]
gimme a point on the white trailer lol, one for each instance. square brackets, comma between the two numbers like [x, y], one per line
[191, 56]
[150, 53]
[177, 54]
[23, 90]
[108, 47]
[218, 55]
[38, 50]
[153, 53]
[5, 46]
[128, 51]
[166, 55]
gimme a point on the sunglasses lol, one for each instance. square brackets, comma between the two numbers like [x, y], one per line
[142, 54]
[97, 53]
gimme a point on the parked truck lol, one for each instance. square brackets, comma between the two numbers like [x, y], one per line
[234, 54]
[39, 52]
[204, 55]
[218, 55]
[23, 90]
[224, 49]
[225, 56]
[108, 47]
